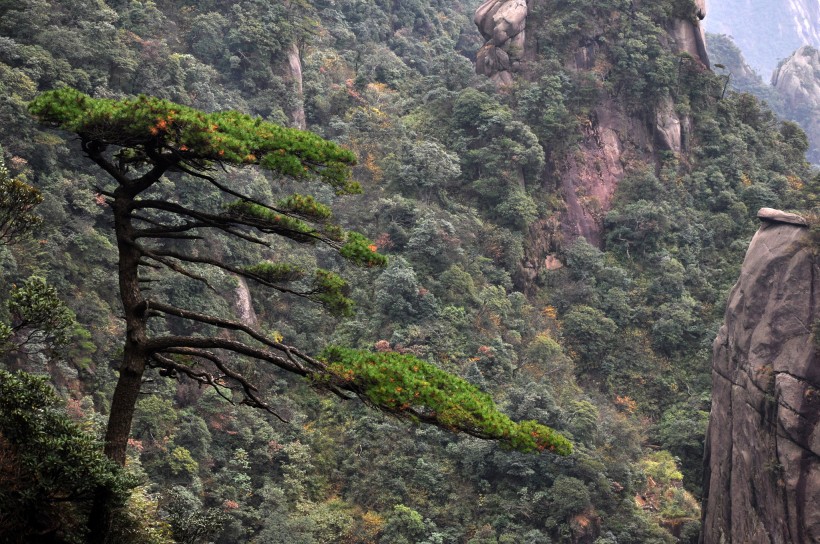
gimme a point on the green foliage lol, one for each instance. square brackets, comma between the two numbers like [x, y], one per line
[182, 463]
[276, 272]
[190, 523]
[331, 290]
[409, 387]
[226, 137]
[423, 168]
[51, 466]
[267, 220]
[590, 334]
[139, 523]
[305, 205]
[404, 526]
[359, 250]
[394, 83]
[40, 320]
[17, 202]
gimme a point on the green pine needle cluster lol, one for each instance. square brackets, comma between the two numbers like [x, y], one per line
[331, 290]
[305, 205]
[193, 136]
[268, 220]
[409, 387]
[360, 250]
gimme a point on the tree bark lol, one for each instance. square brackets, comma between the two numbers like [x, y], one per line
[134, 360]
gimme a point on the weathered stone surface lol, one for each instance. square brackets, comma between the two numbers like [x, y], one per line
[590, 176]
[295, 68]
[503, 24]
[797, 80]
[668, 129]
[700, 5]
[798, 77]
[289, 67]
[762, 481]
[779, 216]
[244, 303]
[690, 38]
[551, 262]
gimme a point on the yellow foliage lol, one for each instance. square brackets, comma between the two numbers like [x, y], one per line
[373, 168]
[794, 182]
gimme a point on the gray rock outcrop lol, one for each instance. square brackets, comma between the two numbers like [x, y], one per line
[797, 80]
[762, 467]
[503, 24]
[689, 36]
[244, 303]
[669, 131]
[297, 113]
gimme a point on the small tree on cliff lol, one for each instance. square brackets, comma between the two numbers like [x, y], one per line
[137, 142]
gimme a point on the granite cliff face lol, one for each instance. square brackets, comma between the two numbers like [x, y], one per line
[612, 135]
[797, 81]
[798, 78]
[762, 466]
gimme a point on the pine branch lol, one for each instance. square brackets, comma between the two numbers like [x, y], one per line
[292, 353]
[220, 222]
[163, 256]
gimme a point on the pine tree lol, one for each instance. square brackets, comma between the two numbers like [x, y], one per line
[137, 142]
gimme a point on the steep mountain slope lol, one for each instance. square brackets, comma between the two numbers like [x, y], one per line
[797, 82]
[767, 31]
[794, 92]
[610, 128]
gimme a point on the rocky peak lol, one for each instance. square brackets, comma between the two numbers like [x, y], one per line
[613, 136]
[766, 30]
[762, 466]
[798, 78]
[797, 81]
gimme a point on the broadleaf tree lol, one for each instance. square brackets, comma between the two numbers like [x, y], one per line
[137, 142]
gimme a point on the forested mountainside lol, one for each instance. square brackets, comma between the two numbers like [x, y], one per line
[794, 92]
[765, 30]
[565, 238]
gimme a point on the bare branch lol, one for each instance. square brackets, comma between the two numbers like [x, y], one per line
[249, 390]
[165, 343]
[168, 364]
[208, 220]
[163, 255]
[176, 268]
[292, 353]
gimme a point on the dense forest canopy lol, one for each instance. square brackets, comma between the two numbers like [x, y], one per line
[463, 195]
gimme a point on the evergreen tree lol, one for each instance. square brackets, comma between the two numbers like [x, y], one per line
[140, 141]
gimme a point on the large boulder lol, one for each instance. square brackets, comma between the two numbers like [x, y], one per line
[503, 24]
[762, 478]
